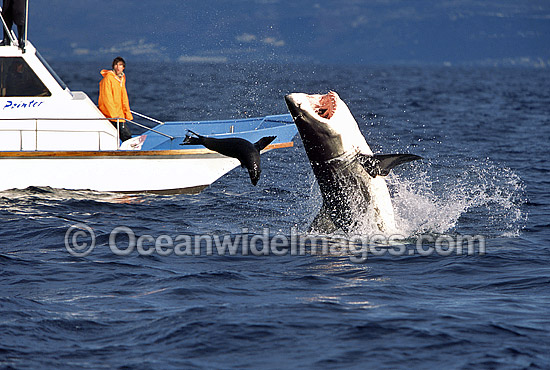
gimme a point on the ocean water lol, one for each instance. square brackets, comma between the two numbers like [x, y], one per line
[484, 135]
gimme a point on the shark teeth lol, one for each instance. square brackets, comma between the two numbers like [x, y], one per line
[325, 105]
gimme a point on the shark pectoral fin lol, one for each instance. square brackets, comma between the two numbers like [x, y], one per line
[381, 164]
[389, 161]
[263, 142]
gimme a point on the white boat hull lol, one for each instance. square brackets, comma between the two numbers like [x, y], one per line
[184, 171]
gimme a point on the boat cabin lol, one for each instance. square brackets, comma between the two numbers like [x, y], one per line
[38, 112]
[52, 136]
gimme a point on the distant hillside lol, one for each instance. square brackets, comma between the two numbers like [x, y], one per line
[492, 32]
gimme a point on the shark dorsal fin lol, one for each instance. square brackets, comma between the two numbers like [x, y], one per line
[381, 164]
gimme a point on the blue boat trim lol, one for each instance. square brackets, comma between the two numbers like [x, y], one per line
[252, 129]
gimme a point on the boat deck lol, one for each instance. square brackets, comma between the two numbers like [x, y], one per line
[251, 129]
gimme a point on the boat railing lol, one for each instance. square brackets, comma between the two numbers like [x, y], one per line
[139, 125]
[36, 129]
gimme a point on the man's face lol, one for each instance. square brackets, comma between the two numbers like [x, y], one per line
[119, 68]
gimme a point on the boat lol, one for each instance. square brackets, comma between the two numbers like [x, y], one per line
[53, 137]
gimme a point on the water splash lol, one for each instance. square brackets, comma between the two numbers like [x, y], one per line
[457, 195]
[446, 196]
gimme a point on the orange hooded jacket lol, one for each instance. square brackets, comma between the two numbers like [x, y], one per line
[113, 98]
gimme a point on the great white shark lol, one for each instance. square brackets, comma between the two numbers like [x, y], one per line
[350, 177]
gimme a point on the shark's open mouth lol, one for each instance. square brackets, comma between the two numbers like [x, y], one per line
[324, 105]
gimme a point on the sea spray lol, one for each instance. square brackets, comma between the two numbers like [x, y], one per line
[442, 193]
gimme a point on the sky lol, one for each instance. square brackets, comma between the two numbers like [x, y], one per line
[365, 32]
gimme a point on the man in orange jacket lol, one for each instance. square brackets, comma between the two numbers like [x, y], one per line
[113, 98]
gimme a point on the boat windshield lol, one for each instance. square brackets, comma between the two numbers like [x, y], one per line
[18, 79]
[52, 72]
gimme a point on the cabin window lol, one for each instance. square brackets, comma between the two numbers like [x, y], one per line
[18, 79]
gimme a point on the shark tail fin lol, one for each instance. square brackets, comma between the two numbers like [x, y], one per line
[263, 142]
[382, 164]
